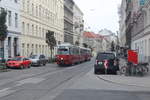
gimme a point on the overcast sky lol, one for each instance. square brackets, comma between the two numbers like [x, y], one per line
[100, 14]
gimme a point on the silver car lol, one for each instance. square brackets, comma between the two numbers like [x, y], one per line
[38, 60]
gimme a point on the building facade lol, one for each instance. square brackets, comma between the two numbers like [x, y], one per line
[122, 25]
[141, 31]
[68, 21]
[109, 37]
[37, 17]
[78, 25]
[12, 42]
[94, 41]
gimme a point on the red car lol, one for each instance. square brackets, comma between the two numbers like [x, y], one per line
[19, 62]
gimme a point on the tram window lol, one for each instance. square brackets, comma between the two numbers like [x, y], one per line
[63, 51]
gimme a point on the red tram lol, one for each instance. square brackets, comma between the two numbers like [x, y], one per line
[68, 54]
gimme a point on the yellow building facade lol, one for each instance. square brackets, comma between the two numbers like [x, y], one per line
[37, 17]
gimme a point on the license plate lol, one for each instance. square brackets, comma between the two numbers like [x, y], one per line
[100, 63]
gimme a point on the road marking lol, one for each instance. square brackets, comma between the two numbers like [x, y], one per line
[6, 91]
[30, 80]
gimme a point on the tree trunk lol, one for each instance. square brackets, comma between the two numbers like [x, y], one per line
[1, 48]
[51, 54]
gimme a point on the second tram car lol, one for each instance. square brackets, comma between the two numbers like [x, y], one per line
[68, 54]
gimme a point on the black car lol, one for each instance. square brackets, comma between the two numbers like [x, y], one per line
[106, 63]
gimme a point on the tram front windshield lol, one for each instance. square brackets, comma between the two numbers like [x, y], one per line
[63, 51]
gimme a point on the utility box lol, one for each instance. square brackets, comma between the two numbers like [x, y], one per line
[132, 56]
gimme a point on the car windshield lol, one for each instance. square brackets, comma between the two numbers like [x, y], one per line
[105, 56]
[63, 51]
[16, 59]
[34, 56]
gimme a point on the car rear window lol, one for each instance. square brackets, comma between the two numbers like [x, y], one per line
[105, 56]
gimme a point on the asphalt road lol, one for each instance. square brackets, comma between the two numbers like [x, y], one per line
[64, 83]
[39, 83]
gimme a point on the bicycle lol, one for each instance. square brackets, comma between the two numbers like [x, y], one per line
[134, 69]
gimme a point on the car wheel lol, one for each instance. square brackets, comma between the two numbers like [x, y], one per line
[39, 64]
[44, 64]
[95, 71]
[21, 67]
[29, 66]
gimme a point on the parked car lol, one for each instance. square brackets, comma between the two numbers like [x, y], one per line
[38, 60]
[106, 63]
[19, 62]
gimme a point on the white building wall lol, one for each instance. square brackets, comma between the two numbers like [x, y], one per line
[13, 31]
[37, 17]
[78, 25]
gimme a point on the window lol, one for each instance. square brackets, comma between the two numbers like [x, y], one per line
[23, 27]
[40, 31]
[28, 6]
[1, 9]
[28, 28]
[149, 47]
[28, 49]
[36, 10]
[39, 48]
[32, 48]
[33, 29]
[16, 1]
[23, 53]
[23, 4]
[43, 33]
[36, 29]
[40, 11]
[16, 20]
[9, 18]
[32, 9]
[36, 49]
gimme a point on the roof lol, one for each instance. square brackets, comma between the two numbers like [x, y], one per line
[92, 35]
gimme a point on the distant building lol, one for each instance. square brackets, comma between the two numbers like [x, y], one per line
[94, 41]
[78, 25]
[68, 21]
[12, 42]
[110, 37]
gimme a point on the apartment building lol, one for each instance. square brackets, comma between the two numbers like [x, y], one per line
[141, 31]
[37, 17]
[12, 42]
[68, 21]
[122, 25]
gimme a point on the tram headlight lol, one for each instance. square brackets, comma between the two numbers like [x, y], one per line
[62, 59]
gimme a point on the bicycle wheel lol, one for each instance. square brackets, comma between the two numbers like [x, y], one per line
[123, 69]
[139, 71]
[145, 69]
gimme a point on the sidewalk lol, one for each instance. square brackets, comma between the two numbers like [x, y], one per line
[90, 81]
[129, 81]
